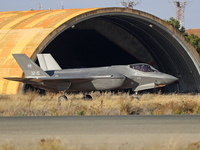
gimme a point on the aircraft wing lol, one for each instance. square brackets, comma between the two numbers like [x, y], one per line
[59, 79]
[29, 80]
[72, 79]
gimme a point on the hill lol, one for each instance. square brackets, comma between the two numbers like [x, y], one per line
[193, 31]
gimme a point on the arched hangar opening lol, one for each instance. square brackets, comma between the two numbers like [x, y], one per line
[121, 36]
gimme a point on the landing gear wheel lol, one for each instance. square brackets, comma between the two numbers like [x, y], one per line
[87, 97]
[63, 98]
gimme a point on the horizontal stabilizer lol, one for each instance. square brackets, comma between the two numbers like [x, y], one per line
[47, 62]
[24, 80]
[30, 68]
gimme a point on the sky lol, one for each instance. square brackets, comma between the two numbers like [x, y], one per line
[160, 8]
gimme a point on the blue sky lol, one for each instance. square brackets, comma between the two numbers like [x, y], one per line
[160, 8]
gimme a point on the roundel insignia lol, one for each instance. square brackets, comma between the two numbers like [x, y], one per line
[29, 66]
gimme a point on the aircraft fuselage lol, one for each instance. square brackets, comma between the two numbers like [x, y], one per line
[105, 78]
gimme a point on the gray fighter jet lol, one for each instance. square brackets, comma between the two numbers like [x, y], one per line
[52, 78]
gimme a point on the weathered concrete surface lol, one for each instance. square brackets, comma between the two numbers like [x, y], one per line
[111, 131]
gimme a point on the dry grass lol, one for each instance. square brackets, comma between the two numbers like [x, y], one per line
[33, 104]
[56, 144]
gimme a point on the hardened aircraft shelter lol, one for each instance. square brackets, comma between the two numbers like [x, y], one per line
[94, 37]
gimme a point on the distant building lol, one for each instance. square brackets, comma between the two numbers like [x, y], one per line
[193, 31]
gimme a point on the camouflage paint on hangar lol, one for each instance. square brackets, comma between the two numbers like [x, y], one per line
[22, 32]
[30, 31]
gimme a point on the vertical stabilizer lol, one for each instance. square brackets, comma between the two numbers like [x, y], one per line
[30, 68]
[47, 62]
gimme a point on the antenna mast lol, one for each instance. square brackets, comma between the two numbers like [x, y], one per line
[128, 3]
[40, 7]
[180, 9]
[62, 4]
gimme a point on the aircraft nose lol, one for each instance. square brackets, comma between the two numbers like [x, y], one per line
[169, 79]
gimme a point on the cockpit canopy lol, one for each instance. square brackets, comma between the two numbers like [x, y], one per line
[143, 67]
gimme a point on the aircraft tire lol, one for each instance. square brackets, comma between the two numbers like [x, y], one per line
[63, 98]
[87, 97]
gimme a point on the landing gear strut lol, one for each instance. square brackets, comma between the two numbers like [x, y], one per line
[63, 97]
[135, 96]
[86, 96]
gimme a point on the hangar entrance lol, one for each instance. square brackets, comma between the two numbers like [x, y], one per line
[124, 39]
[87, 48]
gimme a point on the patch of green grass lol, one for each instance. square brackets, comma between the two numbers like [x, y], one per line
[80, 113]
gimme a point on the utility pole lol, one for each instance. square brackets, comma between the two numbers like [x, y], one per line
[180, 9]
[128, 3]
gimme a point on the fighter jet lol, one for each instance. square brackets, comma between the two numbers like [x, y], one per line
[51, 77]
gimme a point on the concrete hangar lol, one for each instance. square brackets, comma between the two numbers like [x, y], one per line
[95, 37]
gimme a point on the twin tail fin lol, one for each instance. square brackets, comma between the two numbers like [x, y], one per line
[47, 62]
[30, 68]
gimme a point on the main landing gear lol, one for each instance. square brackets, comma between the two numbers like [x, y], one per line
[86, 96]
[63, 97]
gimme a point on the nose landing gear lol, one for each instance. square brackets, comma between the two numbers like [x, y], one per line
[135, 96]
